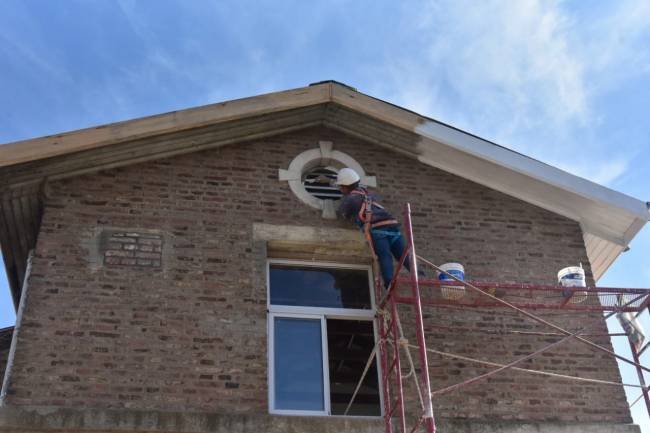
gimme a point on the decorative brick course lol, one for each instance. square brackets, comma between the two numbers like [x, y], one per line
[189, 333]
[132, 249]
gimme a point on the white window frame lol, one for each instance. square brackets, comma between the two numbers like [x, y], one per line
[326, 385]
[322, 314]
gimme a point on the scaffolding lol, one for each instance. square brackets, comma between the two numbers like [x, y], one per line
[393, 349]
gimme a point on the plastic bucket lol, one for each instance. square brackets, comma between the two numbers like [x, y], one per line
[573, 276]
[452, 292]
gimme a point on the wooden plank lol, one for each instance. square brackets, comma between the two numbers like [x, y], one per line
[29, 223]
[197, 140]
[11, 247]
[5, 242]
[10, 269]
[370, 129]
[376, 108]
[9, 261]
[92, 138]
[36, 203]
[156, 156]
[352, 132]
[156, 147]
[134, 147]
[14, 220]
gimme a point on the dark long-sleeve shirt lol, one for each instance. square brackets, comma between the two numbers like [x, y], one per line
[351, 205]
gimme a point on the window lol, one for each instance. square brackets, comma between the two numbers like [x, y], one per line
[321, 333]
[309, 173]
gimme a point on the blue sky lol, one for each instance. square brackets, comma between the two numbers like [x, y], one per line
[566, 82]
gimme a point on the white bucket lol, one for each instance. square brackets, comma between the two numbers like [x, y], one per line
[573, 276]
[452, 292]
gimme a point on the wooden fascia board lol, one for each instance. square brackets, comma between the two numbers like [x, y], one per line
[438, 132]
[376, 108]
[612, 223]
[92, 138]
[432, 133]
[20, 219]
[532, 168]
[160, 146]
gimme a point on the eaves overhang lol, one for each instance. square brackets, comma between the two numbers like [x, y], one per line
[609, 219]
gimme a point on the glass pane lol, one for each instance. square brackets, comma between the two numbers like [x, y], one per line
[319, 287]
[298, 364]
[350, 343]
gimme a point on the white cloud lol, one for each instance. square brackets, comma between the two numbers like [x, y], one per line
[508, 62]
[525, 74]
[617, 43]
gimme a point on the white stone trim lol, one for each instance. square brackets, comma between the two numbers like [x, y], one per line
[324, 155]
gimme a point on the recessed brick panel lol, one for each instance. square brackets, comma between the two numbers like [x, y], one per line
[132, 249]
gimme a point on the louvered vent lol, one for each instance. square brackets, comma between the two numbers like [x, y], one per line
[319, 182]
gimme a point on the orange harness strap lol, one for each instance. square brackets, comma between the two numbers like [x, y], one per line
[365, 212]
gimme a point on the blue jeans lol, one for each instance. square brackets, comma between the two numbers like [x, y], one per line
[388, 243]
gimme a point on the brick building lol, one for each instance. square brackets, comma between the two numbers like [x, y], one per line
[167, 269]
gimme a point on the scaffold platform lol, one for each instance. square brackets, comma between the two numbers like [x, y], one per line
[528, 296]
[393, 350]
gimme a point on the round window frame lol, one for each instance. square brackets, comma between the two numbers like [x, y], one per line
[324, 155]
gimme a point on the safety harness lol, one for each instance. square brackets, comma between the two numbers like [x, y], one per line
[365, 212]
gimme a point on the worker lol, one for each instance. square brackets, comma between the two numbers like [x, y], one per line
[387, 239]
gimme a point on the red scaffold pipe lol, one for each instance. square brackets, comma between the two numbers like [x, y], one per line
[429, 420]
[519, 360]
[646, 397]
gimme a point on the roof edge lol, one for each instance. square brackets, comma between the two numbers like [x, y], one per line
[39, 148]
[317, 93]
[431, 131]
[442, 133]
[533, 168]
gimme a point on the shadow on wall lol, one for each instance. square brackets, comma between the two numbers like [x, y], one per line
[5, 343]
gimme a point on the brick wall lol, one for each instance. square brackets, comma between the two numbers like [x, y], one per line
[190, 334]
[131, 249]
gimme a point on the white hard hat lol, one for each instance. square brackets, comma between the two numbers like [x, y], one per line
[347, 176]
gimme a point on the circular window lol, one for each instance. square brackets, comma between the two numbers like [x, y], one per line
[319, 182]
[311, 176]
